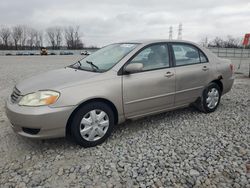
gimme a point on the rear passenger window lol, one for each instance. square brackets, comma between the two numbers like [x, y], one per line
[187, 54]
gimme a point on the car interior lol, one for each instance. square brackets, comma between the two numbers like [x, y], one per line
[153, 57]
[187, 55]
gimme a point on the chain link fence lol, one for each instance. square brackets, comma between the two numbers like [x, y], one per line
[231, 52]
[239, 57]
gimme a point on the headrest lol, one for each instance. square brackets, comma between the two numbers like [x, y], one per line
[192, 54]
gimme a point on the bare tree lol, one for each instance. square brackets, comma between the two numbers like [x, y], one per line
[51, 35]
[69, 37]
[24, 36]
[72, 37]
[5, 33]
[40, 35]
[54, 36]
[16, 35]
[77, 41]
[231, 42]
[31, 37]
[38, 39]
[58, 31]
[217, 42]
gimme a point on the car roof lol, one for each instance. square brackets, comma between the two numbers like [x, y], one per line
[149, 41]
[145, 42]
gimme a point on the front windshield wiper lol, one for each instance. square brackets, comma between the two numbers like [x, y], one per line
[95, 67]
[76, 65]
[79, 62]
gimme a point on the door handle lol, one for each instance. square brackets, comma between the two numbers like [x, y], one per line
[169, 74]
[205, 68]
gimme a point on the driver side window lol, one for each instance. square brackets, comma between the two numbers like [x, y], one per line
[153, 57]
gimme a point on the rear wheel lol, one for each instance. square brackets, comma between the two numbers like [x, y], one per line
[210, 98]
[92, 124]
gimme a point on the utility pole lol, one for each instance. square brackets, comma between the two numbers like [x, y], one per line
[180, 32]
[206, 42]
[170, 33]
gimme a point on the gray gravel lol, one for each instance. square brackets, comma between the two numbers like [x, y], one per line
[182, 148]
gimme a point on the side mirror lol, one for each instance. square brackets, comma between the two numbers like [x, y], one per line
[133, 67]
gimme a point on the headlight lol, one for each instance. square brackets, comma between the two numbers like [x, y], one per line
[40, 98]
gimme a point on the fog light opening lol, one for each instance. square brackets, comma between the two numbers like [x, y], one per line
[30, 131]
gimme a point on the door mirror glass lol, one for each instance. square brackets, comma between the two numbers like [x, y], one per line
[134, 67]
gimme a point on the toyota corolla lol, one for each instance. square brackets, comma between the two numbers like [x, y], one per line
[121, 81]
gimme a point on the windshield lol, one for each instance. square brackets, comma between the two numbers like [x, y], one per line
[105, 58]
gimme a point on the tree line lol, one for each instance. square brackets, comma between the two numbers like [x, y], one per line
[22, 37]
[228, 42]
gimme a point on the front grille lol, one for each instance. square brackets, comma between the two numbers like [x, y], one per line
[15, 96]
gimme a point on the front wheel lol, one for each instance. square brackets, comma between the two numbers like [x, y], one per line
[92, 124]
[210, 98]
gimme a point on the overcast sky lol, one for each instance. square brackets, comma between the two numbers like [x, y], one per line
[106, 21]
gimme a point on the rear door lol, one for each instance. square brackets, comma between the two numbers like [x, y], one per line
[192, 72]
[151, 90]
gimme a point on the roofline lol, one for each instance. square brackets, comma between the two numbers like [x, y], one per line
[149, 41]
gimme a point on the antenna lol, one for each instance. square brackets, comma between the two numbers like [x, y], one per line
[170, 33]
[180, 32]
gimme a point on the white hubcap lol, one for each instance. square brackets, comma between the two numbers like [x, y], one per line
[94, 125]
[212, 98]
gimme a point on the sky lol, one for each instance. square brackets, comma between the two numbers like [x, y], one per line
[106, 21]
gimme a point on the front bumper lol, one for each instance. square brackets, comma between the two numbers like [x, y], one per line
[50, 122]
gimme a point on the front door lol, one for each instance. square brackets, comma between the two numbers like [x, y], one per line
[152, 89]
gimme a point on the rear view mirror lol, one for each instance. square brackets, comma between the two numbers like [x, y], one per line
[133, 67]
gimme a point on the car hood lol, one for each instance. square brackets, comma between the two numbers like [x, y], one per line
[55, 79]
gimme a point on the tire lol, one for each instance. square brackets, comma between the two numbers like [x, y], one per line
[92, 124]
[205, 104]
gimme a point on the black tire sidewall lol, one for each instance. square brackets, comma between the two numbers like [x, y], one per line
[204, 97]
[75, 124]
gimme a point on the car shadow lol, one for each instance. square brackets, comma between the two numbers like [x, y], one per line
[139, 124]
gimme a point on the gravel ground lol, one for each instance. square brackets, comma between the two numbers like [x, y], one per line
[182, 148]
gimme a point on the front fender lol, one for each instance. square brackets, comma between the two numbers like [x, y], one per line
[109, 89]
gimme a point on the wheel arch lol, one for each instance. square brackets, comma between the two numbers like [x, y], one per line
[108, 102]
[219, 83]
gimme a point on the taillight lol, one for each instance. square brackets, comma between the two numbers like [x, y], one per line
[232, 68]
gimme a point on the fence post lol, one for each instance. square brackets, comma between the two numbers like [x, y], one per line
[249, 71]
